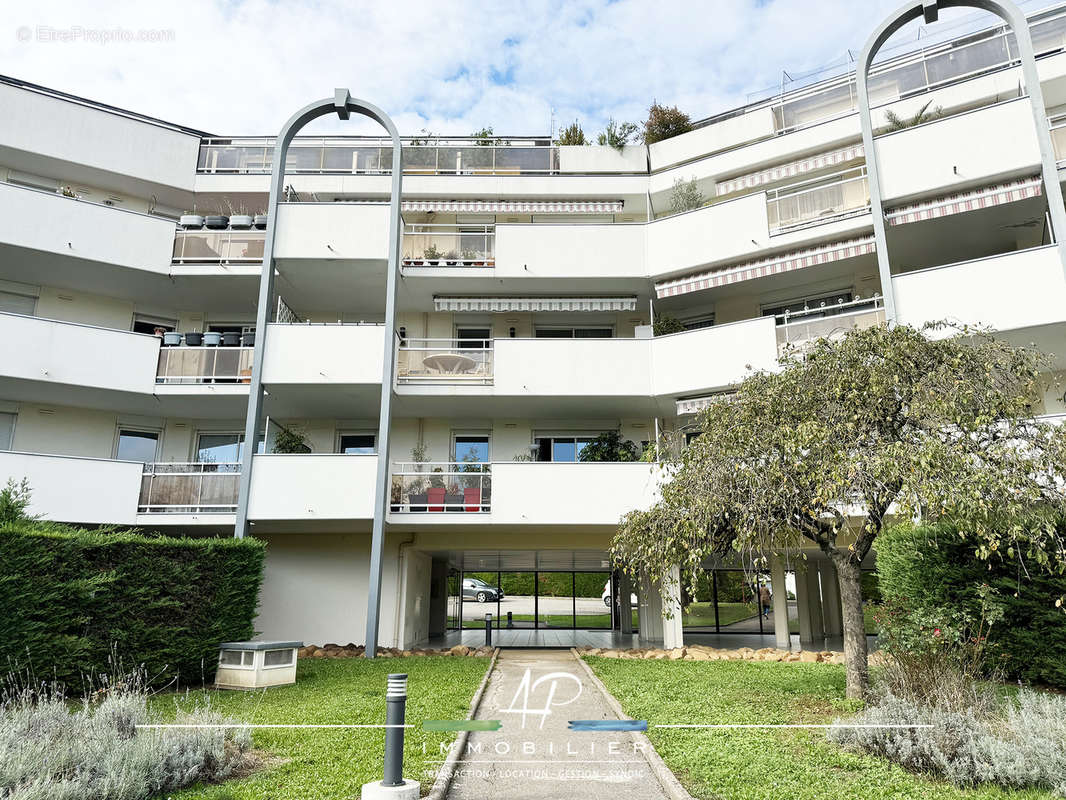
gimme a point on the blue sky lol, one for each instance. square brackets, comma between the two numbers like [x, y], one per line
[234, 67]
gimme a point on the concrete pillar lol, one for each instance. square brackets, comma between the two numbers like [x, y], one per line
[650, 610]
[814, 596]
[673, 634]
[832, 615]
[780, 602]
[803, 603]
[625, 612]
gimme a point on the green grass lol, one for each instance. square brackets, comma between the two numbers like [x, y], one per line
[330, 764]
[702, 614]
[763, 765]
[867, 615]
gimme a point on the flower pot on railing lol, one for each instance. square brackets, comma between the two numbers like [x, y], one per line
[212, 339]
[435, 495]
[453, 502]
[194, 339]
[241, 222]
[259, 222]
[248, 339]
[472, 498]
[216, 222]
[231, 339]
[171, 339]
[191, 221]
[418, 502]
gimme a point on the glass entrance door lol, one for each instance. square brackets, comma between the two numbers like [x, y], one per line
[536, 600]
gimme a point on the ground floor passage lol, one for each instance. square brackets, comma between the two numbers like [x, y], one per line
[315, 590]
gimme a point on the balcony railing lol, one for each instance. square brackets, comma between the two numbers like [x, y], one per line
[433, 245]
[178, 365]
[1058, 138]
[441, 487]
[799, 329]
[217, 247]
[373, 156]
[819, 200]
[193, 488]
[457, 361]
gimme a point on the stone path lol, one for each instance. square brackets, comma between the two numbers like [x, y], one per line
[528, 759]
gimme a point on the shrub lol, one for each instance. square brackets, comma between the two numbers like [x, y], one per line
[52, 750]
[617, 134]
[685, 196]
[572, 134]
[663, 123]
[290, 440]
[935, 567]
[609, 446]
[665, 324]
[1022, 745]
[73, 599]
[14, 501]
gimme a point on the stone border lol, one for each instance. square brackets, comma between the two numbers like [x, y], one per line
[700, 652]
[667, 780]
[446, 772]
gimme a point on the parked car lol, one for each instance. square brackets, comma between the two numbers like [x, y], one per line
[607, 596]
[477, 589]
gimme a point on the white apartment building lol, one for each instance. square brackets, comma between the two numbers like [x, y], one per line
[529, 278]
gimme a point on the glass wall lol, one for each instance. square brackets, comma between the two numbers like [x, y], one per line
[541, 600]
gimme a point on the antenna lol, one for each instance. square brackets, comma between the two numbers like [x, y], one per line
[551, 125]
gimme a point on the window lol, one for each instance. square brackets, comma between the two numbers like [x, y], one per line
[476, 338]
[471, 449]
[563, 448]
[143, 323]
[231, 327]
[223, 448]
[7, 430]
[18, 302]
[356, 443]
[135, 445]
[695, 323]
[573, 332]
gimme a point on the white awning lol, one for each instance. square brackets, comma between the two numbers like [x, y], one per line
[516, 206]
[972, 200]
[501, 304]
[694, 405]
[790, 170]
[773, 265]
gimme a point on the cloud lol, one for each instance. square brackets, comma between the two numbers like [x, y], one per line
[241, 67]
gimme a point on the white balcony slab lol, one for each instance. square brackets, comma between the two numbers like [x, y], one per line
[332, 231]
[729, 133]
[323, 354]
[1023, 289]
[318, 486]
[961, 151]
[593, 159]
[571, 251]
[45, 222]
[712, 358]
[89, 491]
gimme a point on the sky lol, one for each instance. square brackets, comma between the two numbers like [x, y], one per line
[241, 67]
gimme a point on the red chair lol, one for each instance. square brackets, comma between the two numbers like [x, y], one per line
[472, 499]
[435, 498]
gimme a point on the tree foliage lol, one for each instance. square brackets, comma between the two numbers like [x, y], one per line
[664, 122]
[894, 122]
[617, 134]
[572, 134]
[609, 446]
[933, 424]
[685, 196]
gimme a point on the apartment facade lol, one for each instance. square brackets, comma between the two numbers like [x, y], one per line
[528, 282]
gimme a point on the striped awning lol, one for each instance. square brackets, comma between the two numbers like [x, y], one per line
[500, 304]
[772, 265]
[515, 206]
[972, 200]
[790, 170]
[694, 405]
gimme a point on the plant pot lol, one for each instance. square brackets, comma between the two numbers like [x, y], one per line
[435, 497]
[259, 222]
[453, 502]
[191, 221]
[171, 339]
[194, 339]
[248, 339]
[417, 502]
[231, 339]
[472, 499]
[216, 222]
[212, 339]
[240, 222]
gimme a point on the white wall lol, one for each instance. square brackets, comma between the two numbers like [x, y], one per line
[591, 159]
[1015, 290]
[87, 309]
[77, 490]
[712, 138]
[62, 430]
[342, 354]
[354, 231]
[712, 358]
[596, 367]
[319, 486]
[571, 251]
[962, 150]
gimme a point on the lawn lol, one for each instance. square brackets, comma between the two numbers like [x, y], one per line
[329, 764]
[700, 614]
[770, 764]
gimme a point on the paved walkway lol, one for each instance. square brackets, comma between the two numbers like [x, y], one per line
[548, 760]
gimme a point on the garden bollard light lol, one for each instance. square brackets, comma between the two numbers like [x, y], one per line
[488, 630]
[393, 786]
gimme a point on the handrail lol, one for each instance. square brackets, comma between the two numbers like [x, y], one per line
[859, 304]
[172, 487]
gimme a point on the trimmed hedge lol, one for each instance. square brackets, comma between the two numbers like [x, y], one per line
[931, 566]
[71, 599]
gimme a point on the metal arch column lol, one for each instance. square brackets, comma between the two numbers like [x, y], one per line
[343, 105]
[929, 10]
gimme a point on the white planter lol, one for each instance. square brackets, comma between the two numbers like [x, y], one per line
[241, 222]
[256, 665]
[212, 339]
[191, 221]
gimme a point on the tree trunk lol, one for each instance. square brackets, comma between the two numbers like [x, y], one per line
[856, 667]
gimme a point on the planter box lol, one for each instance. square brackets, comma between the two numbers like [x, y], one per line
[256, 665]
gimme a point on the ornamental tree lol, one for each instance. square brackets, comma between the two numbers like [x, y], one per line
[884, 422]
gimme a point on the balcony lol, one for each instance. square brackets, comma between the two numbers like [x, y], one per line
[444, 361]
[441, 487]
[348, 354]
[796, 331]
[575, 250]
[218, 247]
[316, 486]
[429, 245]
[332, 232]
[84, 491]
[816, 201]
[202, 364]
[1022, 289]
[191, 488]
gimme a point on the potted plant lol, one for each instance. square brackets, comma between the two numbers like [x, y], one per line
[290, 441]
[416, 492]
[171, 339]
[212, 339]
[259, 221]
[469, 257]
[194, 339]
[453, 497]
[191, 221]
[436, 491]
[451, 258]
[432, 254]
[395, 494]
[216, 222]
